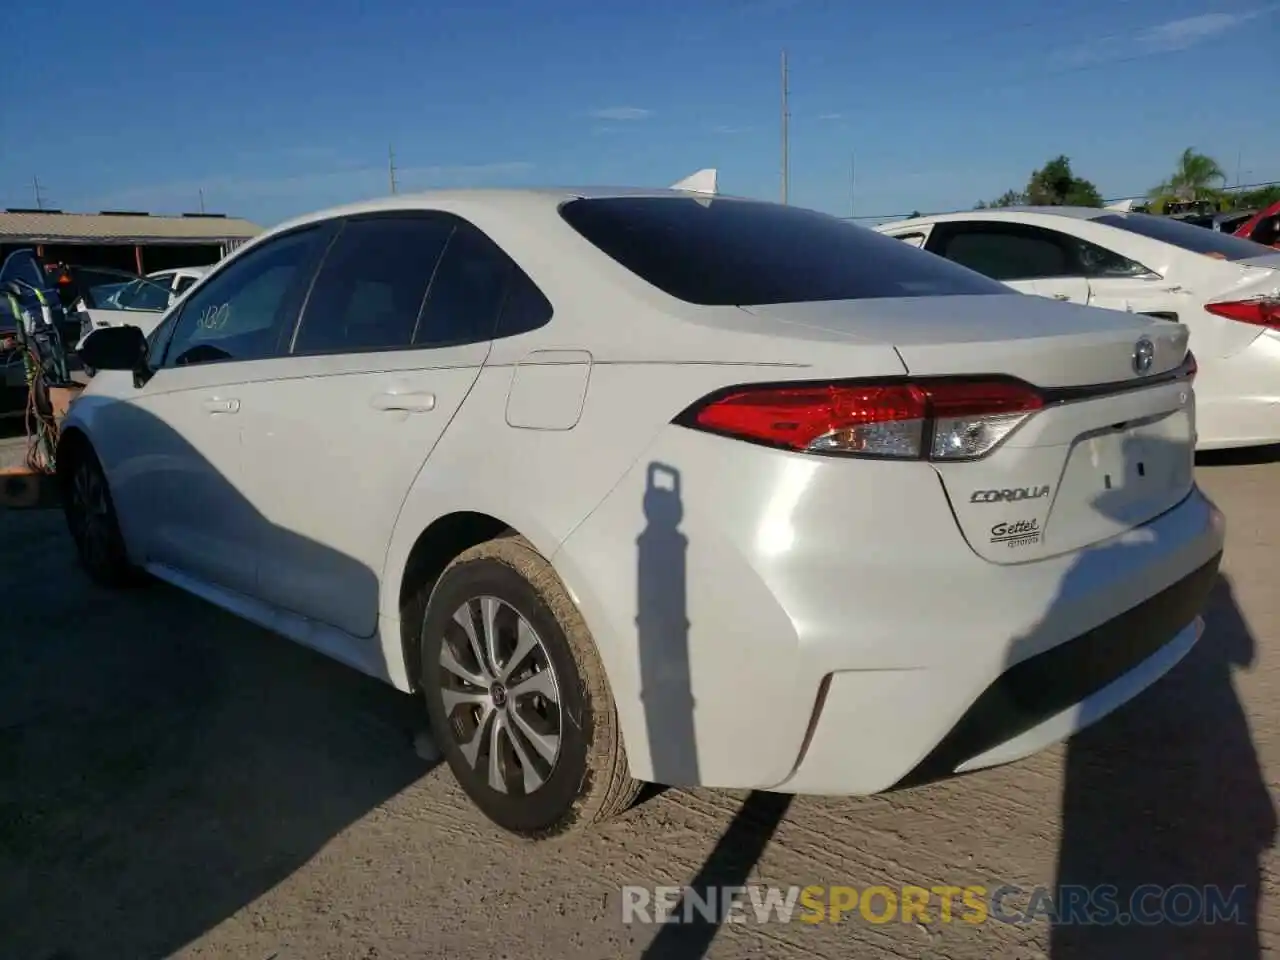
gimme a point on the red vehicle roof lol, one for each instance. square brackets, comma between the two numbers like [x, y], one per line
[1246, 229]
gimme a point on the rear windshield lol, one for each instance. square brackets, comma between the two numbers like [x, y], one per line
[1185, 235]
[721, 252]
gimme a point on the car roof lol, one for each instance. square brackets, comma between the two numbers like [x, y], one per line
[511, 198]
[1007, 213]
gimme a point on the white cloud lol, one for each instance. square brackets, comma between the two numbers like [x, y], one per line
[1168, 37]
[622, 113]
[1188, 31]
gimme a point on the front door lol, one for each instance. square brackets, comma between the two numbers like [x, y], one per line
[172, 447]
[391, 341]
[171, 451]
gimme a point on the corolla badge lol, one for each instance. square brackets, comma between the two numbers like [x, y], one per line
[1144, 355]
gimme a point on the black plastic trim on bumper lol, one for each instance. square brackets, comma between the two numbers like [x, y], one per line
[1030, 692]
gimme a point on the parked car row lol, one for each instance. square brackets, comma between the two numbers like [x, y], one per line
[658, 485]
[82, 299]
[1224, 289]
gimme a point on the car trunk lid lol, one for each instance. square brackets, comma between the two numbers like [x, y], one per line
[1113, 445]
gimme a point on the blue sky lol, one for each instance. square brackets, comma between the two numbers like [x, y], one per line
[277, 108]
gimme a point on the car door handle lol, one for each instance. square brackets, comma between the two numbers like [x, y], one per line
[215, 405]
[409, 402]
[1062, 296]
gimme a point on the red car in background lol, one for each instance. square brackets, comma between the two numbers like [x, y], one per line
[1263, 227]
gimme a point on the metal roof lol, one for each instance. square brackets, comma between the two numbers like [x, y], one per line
[55, 226]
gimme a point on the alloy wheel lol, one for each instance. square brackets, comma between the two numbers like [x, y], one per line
[91, 514]
[501, 696]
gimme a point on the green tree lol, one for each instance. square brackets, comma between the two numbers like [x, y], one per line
[1257, 199]
[1196, 176]
[1054, 185]
[1010, 198]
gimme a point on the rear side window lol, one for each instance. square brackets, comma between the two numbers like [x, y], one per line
[369, 291]
[1184, 235]
[526, 307]
[468, 290]
[911, 239]
[720, 252]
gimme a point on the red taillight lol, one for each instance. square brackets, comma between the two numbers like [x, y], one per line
[938, 419]
[1262, 312]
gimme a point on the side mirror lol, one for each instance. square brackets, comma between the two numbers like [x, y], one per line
[114, 348]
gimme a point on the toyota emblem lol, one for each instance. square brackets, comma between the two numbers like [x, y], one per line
[1144, 354]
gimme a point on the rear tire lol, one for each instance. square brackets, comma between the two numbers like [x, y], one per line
[94, 527]
[522, 712]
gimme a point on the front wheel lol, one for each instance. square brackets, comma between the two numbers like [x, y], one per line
[95, 529]
[517, 696]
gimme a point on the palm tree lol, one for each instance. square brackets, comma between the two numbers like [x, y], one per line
[1197, 176]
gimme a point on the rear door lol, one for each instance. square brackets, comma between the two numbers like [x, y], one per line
[394, 332]
[1030, 259]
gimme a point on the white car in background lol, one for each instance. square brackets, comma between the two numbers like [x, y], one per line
[179, 279]
[603, 474]
[1225, 289]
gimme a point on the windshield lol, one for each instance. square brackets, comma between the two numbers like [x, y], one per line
[1184, 235]
[104, 289]
[722, 252]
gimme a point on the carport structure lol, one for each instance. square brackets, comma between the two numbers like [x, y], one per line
[124, 240]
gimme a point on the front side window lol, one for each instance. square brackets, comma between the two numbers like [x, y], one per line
[243, 312]
[725, 252]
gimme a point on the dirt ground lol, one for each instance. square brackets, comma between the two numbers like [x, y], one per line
[174, 782]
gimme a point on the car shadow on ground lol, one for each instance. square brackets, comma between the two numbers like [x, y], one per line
[1166, 813]
[1190, 817]
[1190, 821]
[162, 764]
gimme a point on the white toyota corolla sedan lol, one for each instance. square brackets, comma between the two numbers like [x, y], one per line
[1225, 289]
[659, 486]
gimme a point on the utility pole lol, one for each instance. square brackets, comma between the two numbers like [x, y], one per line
[786, 117]
[391, 166]
[853, 185]
[39, 196]
[202, 199]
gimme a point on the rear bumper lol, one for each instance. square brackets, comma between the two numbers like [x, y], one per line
[812, 625]
[1037, 701]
